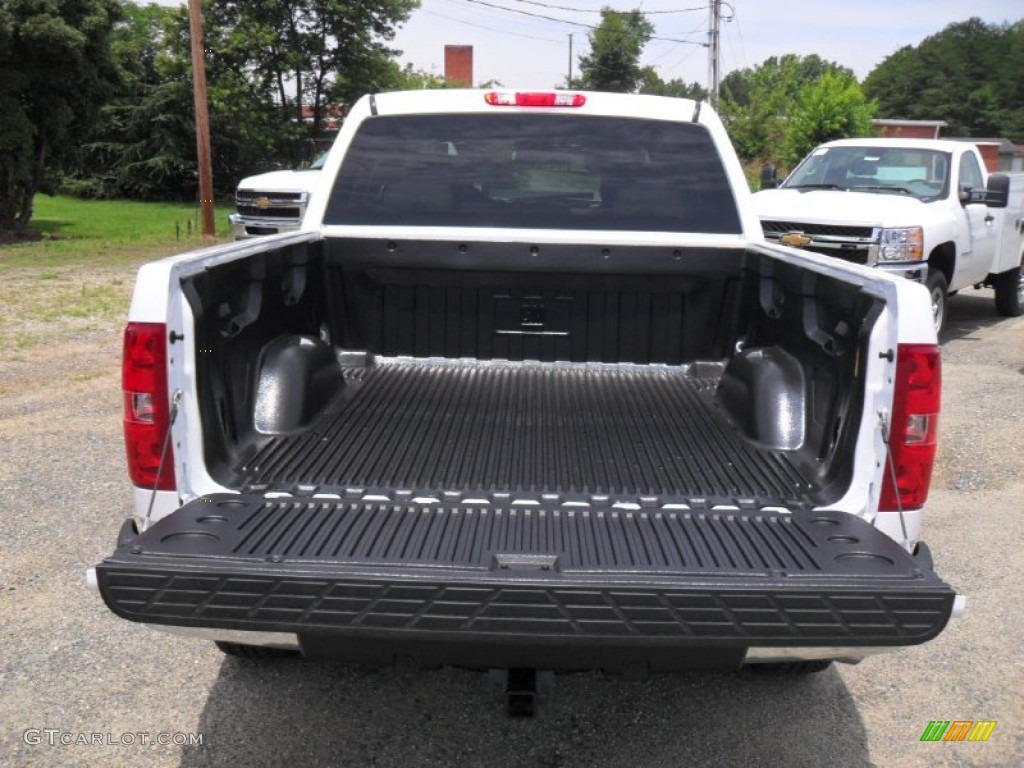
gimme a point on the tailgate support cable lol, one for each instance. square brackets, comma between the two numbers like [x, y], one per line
[891, 464]
[175, 402]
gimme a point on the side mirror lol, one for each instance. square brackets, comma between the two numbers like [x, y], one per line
[769, 177]
[972, 196]
[997, 194]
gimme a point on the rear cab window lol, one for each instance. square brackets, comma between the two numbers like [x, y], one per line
[534, 171]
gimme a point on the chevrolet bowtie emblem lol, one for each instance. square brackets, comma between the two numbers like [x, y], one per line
[795, 239]
[263, 203]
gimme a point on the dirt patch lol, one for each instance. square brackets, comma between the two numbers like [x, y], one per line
[60, 338]
[41, 309]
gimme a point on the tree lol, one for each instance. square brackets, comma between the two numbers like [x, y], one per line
[248, 131]
[257, 84]
[310, 51]
[651, 82]
[968, 75]
[408, 78]
[833, 107]
[143, 145]
[58, 69]
[615, 48]
[757, 103]
[139, 145]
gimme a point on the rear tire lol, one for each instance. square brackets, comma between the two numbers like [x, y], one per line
[254, 652]
[938, 292]
[1009, 287]
[788, 668]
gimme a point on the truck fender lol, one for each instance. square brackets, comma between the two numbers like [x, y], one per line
[943, 259]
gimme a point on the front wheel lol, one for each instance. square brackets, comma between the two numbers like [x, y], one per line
[938, 290]
[1009, 287]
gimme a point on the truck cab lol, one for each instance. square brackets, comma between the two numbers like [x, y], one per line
[923, 209]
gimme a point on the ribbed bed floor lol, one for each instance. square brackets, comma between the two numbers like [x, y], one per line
[528, 430]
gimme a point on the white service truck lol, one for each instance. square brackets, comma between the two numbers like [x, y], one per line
[530, 392]
[924, 209]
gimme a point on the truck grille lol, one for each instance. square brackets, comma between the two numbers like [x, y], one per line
[852, 253]
[840, 241]
[270, 205]
[832, 230]
[270, 212]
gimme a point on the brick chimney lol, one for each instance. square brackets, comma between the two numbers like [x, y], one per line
[458, 65]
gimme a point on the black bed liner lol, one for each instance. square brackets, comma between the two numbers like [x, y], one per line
[519, 430]
[500, 586]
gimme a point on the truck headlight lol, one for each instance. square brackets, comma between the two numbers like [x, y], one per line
[901, 244]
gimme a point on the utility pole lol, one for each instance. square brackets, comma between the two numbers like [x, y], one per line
[568, 83]
[195, 17]
[714, 52]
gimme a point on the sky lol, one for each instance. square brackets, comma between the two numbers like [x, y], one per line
[520, 50]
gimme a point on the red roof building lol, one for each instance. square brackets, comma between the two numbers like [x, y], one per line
[333, 115]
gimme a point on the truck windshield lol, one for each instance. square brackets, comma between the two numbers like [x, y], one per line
[534, 171]
[920, 173]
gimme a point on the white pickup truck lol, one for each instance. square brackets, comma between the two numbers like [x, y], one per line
[925, 209]
[530, 392]
[274, 202]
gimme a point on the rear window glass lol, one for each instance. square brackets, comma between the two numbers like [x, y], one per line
[538, 171]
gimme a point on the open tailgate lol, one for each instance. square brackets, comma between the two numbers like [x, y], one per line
[551, 587]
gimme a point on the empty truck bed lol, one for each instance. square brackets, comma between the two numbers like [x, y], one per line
[508, 431]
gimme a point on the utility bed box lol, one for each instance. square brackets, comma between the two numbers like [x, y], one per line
[1010, 236]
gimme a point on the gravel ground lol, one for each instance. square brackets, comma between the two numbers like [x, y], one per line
[68, 664]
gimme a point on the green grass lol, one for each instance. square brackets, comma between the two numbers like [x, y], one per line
[105, 231]
[77, 279]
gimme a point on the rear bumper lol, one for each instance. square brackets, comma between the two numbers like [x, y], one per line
[542, 588]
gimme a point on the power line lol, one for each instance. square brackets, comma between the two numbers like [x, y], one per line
[594, 10]
[743, 51]
[495, 17]
[670, 49]
[672, 67]
[491, 29]
[572, 23]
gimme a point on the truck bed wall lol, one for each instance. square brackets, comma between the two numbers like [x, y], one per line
[577, 304]
[781, 338]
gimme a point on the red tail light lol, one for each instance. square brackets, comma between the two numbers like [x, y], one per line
[146, 411]
[915, 421]
[534, 99]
